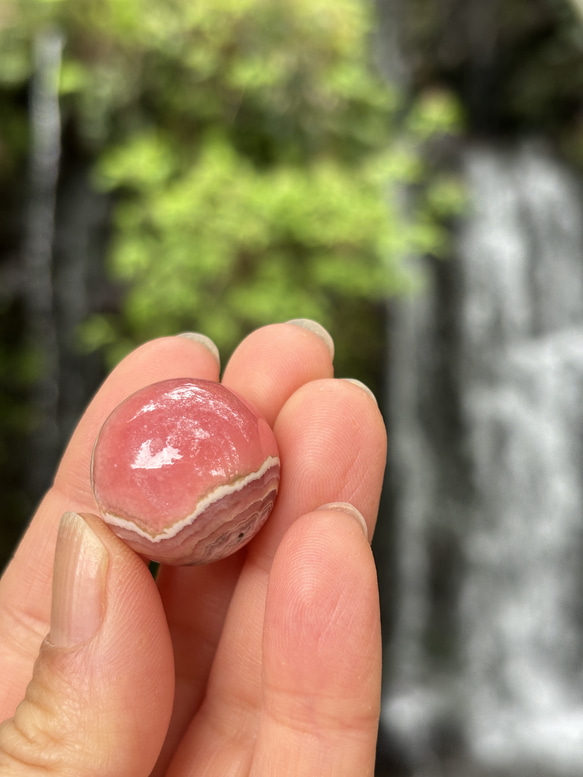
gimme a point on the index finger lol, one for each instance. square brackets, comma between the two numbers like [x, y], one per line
[25, 588]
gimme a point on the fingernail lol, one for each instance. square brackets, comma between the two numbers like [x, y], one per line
[79, 575]
[346, 507]
[203, 340]
[317, 329]
[362, 386]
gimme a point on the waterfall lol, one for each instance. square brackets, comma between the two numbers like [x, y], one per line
[485, 662]
[39, 234]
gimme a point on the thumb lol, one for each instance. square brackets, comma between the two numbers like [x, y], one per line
[102, 689]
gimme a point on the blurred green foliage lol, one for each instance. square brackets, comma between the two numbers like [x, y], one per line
[249, 145]
[517, 67]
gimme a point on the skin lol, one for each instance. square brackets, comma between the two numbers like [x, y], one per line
[265, 663]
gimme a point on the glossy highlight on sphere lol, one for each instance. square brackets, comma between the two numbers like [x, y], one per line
[185, 471]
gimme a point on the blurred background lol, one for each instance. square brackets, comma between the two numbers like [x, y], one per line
[409, 173]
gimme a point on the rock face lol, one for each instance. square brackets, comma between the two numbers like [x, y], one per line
[486, 406]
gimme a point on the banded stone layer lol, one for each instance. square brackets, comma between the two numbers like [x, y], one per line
[185, 471]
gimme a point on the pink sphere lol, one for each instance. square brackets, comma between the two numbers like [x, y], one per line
[185, 471]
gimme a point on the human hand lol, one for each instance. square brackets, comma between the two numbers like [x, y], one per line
[264, 663]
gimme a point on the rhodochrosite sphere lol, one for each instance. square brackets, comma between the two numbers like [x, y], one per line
[185, 471]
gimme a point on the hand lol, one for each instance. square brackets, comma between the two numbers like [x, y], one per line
[265, 663]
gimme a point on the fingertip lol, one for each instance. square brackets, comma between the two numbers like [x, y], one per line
[79, 582]
[330, 541]
[348, 509]
[197, 337]
[315, 328]
[322, 645]
[156, 360]
[332, 440]
[363, 387]
[271, 363]
[101, 693]
[323, 576]
[188, 354]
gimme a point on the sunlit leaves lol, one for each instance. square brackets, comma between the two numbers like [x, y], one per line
[259, 243]
[145, 162]
[249, 148]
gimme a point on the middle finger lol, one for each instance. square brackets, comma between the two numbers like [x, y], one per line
[266, 368]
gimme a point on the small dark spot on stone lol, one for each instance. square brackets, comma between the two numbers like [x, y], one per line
[241, 535]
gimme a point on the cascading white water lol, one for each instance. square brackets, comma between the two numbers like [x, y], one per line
[522, 335]
[514, 688]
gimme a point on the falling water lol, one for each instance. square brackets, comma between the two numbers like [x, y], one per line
[39, 229]
[494, 352]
